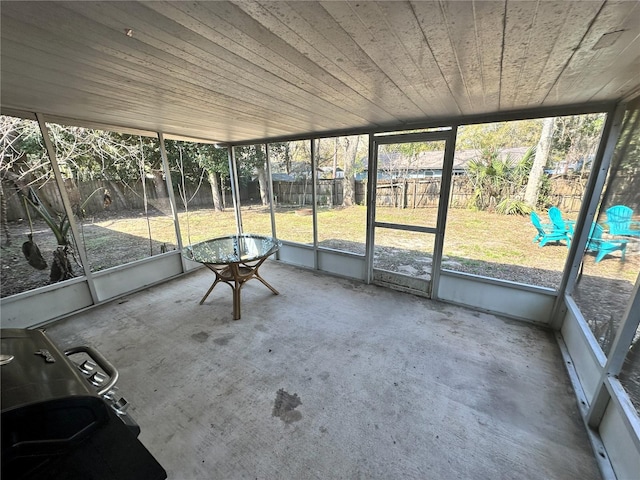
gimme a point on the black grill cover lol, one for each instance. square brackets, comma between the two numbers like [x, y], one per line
[55, 424]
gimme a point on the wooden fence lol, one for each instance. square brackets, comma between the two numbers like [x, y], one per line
[113, 197]
[330, 192]
[566, 193]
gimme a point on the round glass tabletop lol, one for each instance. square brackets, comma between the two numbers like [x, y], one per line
[232, 249]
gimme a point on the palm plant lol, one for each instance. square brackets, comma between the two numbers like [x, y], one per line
[498, 182]
[59, 225]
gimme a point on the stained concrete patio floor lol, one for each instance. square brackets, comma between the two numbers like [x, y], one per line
[334, 379]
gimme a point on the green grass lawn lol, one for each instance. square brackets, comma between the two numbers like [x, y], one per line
[474, 241]
[481, 243]
[470, 237]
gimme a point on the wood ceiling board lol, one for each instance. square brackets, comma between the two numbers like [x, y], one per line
[239, 67]
[369, 79]
[489, 25]
[191, 52]
[432, 23]
[176, 65]
[627, 68]
[625, 64]
[520, 17]
[98, 79]
[119, 113]
[398, 43]
[75, 53]
[425, 75]
[331, 121]
[556, 32]
[252, 69]
[91, 87]
[240, 34]
[466, 37]
[587, 63]
[60, 107]
[368, 27]
[343, 60]
[95, 104]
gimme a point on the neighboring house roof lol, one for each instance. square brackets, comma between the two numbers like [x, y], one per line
[327, 172]
[282, 177]
[434, 160]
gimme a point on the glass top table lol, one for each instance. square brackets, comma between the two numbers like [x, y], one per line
[234, 260]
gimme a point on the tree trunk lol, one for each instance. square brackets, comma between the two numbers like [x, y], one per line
[159, 184]
[405, 194]
[114, 188]
[335, 159]
[161, 201]
[218, 204]
[539, 162]
[264, 188]
[348, 190]
[349, 182]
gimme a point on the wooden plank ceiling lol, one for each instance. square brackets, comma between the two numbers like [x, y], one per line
[238, 71]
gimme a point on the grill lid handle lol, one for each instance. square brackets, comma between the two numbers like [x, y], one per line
[102, 362]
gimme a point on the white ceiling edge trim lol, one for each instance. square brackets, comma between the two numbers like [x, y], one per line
[513, 115]
[75, 122]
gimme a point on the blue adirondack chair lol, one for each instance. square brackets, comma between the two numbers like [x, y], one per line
[619, 219]
[559, 223]
[603, 247]
[549, 233]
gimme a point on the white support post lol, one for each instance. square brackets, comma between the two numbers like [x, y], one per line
[67, 206]
[616, 357]
[272, 208]
[314, 206]
[235, 188]
[590, 203]
[172, 196]
[371, 206]
[443, 208]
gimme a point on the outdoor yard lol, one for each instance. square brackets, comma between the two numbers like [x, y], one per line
[481, 243]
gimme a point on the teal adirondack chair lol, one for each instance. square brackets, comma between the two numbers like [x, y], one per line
[619, 219]
[559, 223]
[602, 247]
[548, 233]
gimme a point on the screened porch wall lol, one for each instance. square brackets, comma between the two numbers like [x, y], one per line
[529, 303]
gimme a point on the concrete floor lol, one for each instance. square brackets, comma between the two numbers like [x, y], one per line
[333, 379]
